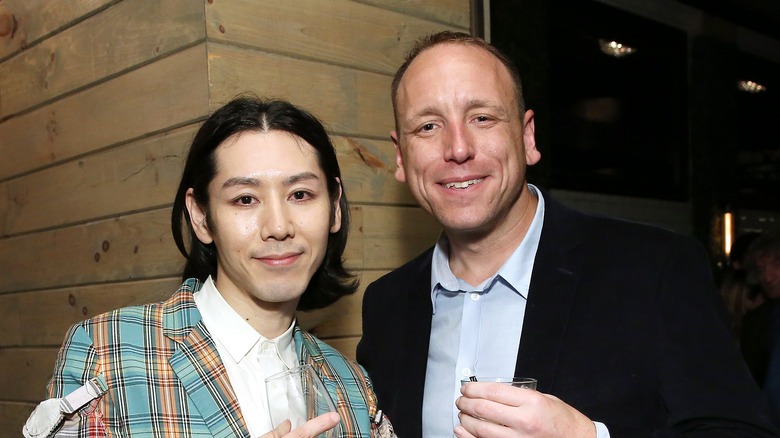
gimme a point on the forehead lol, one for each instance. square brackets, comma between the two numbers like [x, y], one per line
[455, 71]
[267, 153]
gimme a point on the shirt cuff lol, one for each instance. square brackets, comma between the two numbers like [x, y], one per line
[601, 430]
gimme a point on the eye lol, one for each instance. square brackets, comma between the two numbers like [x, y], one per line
[245, 200]
[427, 127]
[300, 195]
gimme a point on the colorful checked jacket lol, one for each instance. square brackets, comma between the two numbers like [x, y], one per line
[165, 377]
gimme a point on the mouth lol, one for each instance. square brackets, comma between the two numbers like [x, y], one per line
[280, 260]
[463, 184]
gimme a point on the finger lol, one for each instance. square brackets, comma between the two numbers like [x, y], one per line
[475, 427]
[496, 412]
[280, 431]
[315, 426]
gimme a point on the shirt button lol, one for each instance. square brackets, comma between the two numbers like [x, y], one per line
[474, 296]
[466, 372]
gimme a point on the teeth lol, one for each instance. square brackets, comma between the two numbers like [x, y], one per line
[462, 185]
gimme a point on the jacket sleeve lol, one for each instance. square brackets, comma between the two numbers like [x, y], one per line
[76, 365]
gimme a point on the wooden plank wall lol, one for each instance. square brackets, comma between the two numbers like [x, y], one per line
[98, 102]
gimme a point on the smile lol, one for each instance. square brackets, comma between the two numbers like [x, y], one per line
[279, 260]
[464, 184]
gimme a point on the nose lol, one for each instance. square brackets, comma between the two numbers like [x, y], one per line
[276, 222]
[458, 145]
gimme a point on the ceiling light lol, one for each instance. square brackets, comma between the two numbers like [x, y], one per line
[751, 87]
[616, 49]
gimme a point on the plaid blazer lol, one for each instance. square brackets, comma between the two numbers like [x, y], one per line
[165, 377]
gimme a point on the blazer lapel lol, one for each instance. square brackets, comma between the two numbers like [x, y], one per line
[553, 287]
[415, 331]
[197, 365]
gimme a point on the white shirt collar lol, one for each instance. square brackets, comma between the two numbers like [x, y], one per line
[233, 332]
[515, 270]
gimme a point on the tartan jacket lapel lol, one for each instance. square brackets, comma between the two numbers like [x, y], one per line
[198, 366]
[345, 381]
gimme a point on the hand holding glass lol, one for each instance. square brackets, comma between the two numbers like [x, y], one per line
[299, 395]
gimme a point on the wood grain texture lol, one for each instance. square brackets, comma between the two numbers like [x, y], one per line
[350, 34]
[128, 34]
[347, 100]
[456, 13]
[146, 173]
[168, 92]
[13, 416]
[128, 178]
[395, 235]
[139, 246]
[367, 169]
[26, 371]
[41, 318]
[129, 247]
[22, 22]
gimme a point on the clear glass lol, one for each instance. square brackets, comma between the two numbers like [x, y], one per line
[298, 395]
[519, 382]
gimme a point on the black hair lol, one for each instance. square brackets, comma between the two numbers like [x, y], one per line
[248, 113]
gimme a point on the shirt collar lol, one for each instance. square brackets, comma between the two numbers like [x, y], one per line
[516, 270]
[233, 332]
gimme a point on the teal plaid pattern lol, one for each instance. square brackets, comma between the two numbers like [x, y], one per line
[165, 378]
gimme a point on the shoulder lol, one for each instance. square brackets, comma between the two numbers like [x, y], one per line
[610, 232]
[340, 364]
[411, 272]
[142, 315]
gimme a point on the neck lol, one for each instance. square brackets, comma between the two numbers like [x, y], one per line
[268, 319]
[475, 257]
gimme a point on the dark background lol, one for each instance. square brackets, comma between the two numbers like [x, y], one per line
[666, 122]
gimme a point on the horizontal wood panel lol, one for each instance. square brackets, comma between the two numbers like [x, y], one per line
[41, 318]
[367, 168]
[26, 371]
[395, 235]
[168, 92]
[140, 246]
[13, 415]
[23, 22]
[350, 34]
[120, 37]
[456, 13]
[347, 100]
[128, 178]
[146, 173]
[453, 12]
[129, 247]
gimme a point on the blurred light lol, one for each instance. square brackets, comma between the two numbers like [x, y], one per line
[751, 87]
[614, 48]
[728, 233]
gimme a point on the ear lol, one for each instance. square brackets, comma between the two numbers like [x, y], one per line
[400, 173]
[336, 226]
[532, 155]
[197, 218]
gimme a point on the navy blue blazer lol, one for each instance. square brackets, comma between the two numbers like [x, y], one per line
[623, 322]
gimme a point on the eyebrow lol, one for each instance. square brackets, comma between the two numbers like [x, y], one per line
[254, 182]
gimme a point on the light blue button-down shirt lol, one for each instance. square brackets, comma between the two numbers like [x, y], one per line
[476, 328]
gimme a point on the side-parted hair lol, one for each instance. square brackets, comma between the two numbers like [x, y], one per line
[450, 37]
[248, 113]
